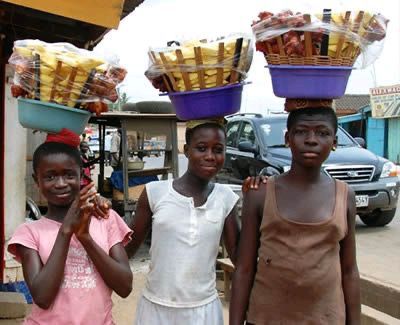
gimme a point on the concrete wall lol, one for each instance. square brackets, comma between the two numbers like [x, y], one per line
[14, 173]
[181, 127]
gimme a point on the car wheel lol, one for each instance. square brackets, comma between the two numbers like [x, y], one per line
[378, 218]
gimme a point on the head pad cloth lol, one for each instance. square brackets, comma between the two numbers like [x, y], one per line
[195, 123]
[65, 136]
[298, 103]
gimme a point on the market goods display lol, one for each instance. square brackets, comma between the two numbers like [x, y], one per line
[203, 79]
[322, 39]
[311, 56]
[62, 74]
[199, 64]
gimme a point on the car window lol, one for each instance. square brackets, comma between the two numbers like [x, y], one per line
[231, 133]
[247, 133]
[273, 133]
[343, 139]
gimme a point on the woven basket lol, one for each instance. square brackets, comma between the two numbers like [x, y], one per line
[276, 59]
[346, 52]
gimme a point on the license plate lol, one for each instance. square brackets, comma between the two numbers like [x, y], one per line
[362, 201]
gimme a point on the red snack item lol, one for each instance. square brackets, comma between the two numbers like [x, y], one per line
[65, 136]
[17, 91]
[97, 107]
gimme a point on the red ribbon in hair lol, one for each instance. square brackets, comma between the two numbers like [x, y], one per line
[65, 136]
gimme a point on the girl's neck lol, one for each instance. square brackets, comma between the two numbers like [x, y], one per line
[304, 175]
[56, 213]
[193, 184]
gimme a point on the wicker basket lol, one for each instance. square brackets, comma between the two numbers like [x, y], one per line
[345, 52]
[276, 59]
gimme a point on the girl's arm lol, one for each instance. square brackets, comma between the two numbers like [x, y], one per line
[231, 234]
[113, 268]
[350, 275]
[246, 262]
[141, 224]
[44, 281]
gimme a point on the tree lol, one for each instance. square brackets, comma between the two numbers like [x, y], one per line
[123, 98]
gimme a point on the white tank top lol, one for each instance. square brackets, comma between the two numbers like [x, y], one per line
[184, 244]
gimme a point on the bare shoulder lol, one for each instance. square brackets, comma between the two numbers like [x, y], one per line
[256, 197]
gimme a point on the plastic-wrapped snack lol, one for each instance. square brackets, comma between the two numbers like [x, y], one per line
[323, 39]
[200, 64]
[63, 74]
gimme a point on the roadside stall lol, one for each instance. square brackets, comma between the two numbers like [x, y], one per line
[139, 126]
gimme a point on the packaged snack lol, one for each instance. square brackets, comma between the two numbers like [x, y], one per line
[330, 38]
[200, 64]
[62, 74]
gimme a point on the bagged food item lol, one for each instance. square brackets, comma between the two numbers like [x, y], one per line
[329, 38]
[64, 74]
[200, 64]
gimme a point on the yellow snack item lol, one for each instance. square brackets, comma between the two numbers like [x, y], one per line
[63, 74]
[217, 60]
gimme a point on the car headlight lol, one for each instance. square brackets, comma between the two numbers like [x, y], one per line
[389, 169]
[286, 168]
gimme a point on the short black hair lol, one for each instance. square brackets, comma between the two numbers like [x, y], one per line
[327, 112]
[53, 148]
[189, 132]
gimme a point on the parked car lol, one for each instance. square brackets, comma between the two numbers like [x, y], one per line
[255, 145]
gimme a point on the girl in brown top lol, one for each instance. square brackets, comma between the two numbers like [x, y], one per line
[296, 261]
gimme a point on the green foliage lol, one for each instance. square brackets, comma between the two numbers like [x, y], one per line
[123, 98]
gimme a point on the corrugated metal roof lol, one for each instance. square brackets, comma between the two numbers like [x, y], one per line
[351, 102]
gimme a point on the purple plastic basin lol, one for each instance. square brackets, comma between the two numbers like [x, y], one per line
[207, 103]
[327, 82]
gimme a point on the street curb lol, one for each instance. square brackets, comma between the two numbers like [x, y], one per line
[380, 296]
[370, 316]
[13, 305]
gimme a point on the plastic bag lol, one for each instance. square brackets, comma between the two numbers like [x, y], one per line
[63, 74]
[328, 38]
[199, 64]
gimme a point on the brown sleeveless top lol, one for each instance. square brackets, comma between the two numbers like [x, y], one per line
[298, 278]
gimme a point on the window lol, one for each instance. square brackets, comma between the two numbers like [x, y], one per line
[248, 134]
[231, 134]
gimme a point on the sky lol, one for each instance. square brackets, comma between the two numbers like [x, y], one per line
[155, 22]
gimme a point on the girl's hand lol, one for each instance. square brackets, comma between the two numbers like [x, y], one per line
[101, 207]
[252, 182]
[79, 212]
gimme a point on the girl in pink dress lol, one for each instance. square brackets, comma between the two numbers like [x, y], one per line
[71, 261]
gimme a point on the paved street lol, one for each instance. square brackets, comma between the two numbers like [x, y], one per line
[378, 251]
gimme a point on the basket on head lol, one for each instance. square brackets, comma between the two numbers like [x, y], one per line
[196, 65]
[207, 103]
[328, 39]
[293, 81]
[49, 117]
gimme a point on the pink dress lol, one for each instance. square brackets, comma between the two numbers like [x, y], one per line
[83, 297]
